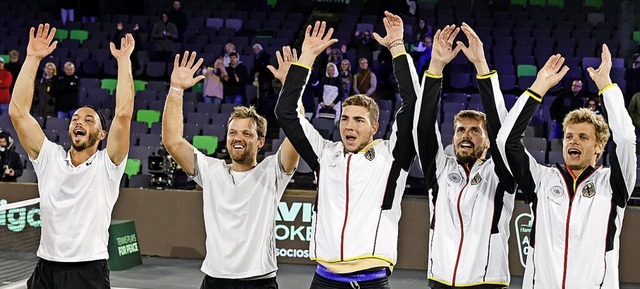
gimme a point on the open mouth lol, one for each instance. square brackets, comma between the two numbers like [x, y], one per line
[238, 146]
[574, 152]
[466, 145]
[350, 138]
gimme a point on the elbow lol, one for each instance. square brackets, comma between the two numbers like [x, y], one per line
[169, 142]
[15, 112]
[502, 139]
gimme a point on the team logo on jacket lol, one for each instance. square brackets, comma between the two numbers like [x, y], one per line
[336, 155]
[557, 191]
[454, 177]
[370, 154]
[589, 190]
[476, 179]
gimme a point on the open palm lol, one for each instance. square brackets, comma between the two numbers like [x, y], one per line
[40, 44]
[443, 52]
[127, 45]
[183, 71]
[316, 41]
[394, 27]
[284, 62]
[601, 76]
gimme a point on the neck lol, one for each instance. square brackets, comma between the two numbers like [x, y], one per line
[78, 157]
[238, 167]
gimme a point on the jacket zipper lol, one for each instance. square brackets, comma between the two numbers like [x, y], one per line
[346, 211]
[455, 269]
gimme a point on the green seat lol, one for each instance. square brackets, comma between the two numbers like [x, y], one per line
[538, 2]
[636, 36]
[593, 3]
[139, 85]
[132, 167]
[559, 3]
[80, 35]
[197, 88]
[109, 84]
[519, 2]
[527, 70]
[61, 34]
[206, 142]
[6, 60]
[149, 116]
[272, 3]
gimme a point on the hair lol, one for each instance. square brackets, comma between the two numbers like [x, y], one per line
[348, 62]
[51, 64]
[471, 114]
[335, 55]
[584, 115]
[366, 102]
[69, 63]
[250, 112]
[14, 53]
[233, 54]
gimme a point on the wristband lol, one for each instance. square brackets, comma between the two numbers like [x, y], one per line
[176, 89]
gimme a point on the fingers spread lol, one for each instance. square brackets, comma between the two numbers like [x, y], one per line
[279, 58]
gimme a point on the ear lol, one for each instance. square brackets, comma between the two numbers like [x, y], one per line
[102, 135]
[600, 148]
[374, 128]
[261, 142]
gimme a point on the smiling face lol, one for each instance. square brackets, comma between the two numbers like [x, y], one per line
[470, 141]
[580, 147]
[85, 129]
[243, 142]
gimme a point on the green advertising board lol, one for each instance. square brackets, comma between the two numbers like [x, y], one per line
[124, 251]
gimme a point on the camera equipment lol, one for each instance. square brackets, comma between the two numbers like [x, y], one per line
[162, 168]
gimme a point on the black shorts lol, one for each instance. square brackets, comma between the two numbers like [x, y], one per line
[219, 283]
[63, 275]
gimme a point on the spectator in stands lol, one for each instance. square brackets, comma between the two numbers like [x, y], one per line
[13, 66]
[421, 30]
[135, 61]
[632, 76]
[346, 76]
[332, 91]
[228, 49]
[364, 45]
[261, 73]
[423, 54]
[10, 160]
[43, 103]
[634, 110]
[212, 90]
[177, 17]
[89, 11]
[365, 82]
[335, 56]
[593, 105]
[565, 102]
[6, 79]
[164, 36]
[66, 91]
[235, 81]
[241, 198]
[67, 10]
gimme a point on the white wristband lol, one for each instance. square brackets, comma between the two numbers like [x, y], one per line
[177, 89]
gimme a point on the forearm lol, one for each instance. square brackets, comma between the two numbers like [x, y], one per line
[124, 90]
[172, 120]
[23, 91]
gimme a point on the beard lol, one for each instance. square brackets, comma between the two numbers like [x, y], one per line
[470, 158]
[93, 138]
[243, 158]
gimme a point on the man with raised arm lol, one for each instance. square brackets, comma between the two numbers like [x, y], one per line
[578, 207]
[360, 180]
[240, 199]
[472, 194]
[77, 188]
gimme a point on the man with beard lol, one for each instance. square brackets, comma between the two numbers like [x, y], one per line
[471, 195]
[578, 207]
[77, 188]
[361, 181]
[240, 199]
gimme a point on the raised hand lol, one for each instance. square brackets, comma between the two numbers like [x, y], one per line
[284, 62]
[550, 74]
[601, 76]
[40, 44]
[183, 71]
[316, 41]
[443, 52]
[127, 45]
[475, 50]
[395, 30]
